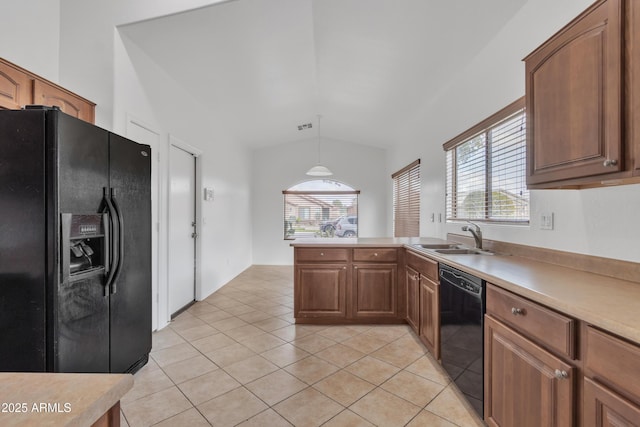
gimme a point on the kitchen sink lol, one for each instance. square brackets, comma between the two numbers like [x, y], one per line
[463, 251]
[438, 246]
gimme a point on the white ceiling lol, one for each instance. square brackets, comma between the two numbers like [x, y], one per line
[266, 66]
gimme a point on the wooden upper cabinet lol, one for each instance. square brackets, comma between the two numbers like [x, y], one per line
[15, 88]
[54, 96]
[574, 88]
[19, 87]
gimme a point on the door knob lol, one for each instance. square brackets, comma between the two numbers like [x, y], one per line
[561, 374]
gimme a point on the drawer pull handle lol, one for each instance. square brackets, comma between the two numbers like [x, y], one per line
[517, 311]
[561, 374]
[610, 162]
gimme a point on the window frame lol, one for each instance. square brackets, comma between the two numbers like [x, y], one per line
[485, 128]
[312, 193]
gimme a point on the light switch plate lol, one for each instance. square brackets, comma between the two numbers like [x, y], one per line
[546, 221]
[208, 194]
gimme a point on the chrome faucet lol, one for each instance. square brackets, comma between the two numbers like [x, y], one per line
[477, 233]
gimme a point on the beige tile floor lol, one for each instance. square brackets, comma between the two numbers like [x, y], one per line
[237, 358]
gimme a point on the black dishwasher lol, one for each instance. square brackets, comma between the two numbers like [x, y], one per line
[462, 308]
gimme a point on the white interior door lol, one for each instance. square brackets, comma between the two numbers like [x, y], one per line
[182, 187]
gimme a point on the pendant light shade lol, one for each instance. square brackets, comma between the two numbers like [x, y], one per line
[319, 170]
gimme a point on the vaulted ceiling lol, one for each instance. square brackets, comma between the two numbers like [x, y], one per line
[266, 66]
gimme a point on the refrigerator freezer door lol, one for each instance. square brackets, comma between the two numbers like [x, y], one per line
[82, 315]
[131, 296]
[23, 266]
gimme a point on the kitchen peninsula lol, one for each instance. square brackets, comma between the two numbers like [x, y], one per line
[558, 325]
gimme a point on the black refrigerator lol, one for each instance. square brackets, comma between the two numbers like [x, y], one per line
[75, 246]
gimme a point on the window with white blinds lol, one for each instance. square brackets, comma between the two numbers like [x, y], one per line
[406, 201]
[486, 170]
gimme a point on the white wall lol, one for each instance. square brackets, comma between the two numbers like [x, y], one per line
[278, 168]
[143, 89]
[87, 30]
[601, 222]
[29, 35]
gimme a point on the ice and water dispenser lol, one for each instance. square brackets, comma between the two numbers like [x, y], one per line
[85, 246]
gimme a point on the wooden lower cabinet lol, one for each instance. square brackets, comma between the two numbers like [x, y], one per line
[111, 418]
[525, 385]
[413, 299]
[430, 315]
[612, 380]
[604, 408]
[347, 285]
[320, 290]
[374, 290]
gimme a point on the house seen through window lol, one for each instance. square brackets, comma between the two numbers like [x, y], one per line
[320, 208]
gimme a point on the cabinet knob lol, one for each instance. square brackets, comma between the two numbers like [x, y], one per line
[356, 267]
[517, 311]
[610, 162]
[344, 268]
[375, 254]
[561, 374]
[321, 253]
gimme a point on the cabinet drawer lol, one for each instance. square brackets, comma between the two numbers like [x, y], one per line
[548, 328]
[321, 254]
[375, 254]
[613, 361]
[424, 266]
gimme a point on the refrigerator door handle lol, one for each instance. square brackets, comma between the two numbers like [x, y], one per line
[113, 234]
[120, 242]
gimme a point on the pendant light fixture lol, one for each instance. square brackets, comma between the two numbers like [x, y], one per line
[319, 170]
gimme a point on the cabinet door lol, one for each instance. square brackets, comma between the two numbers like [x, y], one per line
[320, 290]
[430, 315]
[413, 298]
[573, 90]
[15, 88]
[604, 408]
[525, 385]
[374, 290]
[46, 94]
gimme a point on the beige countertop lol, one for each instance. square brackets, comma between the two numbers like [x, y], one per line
[609, 303]
[363, 241]
[47, 399]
